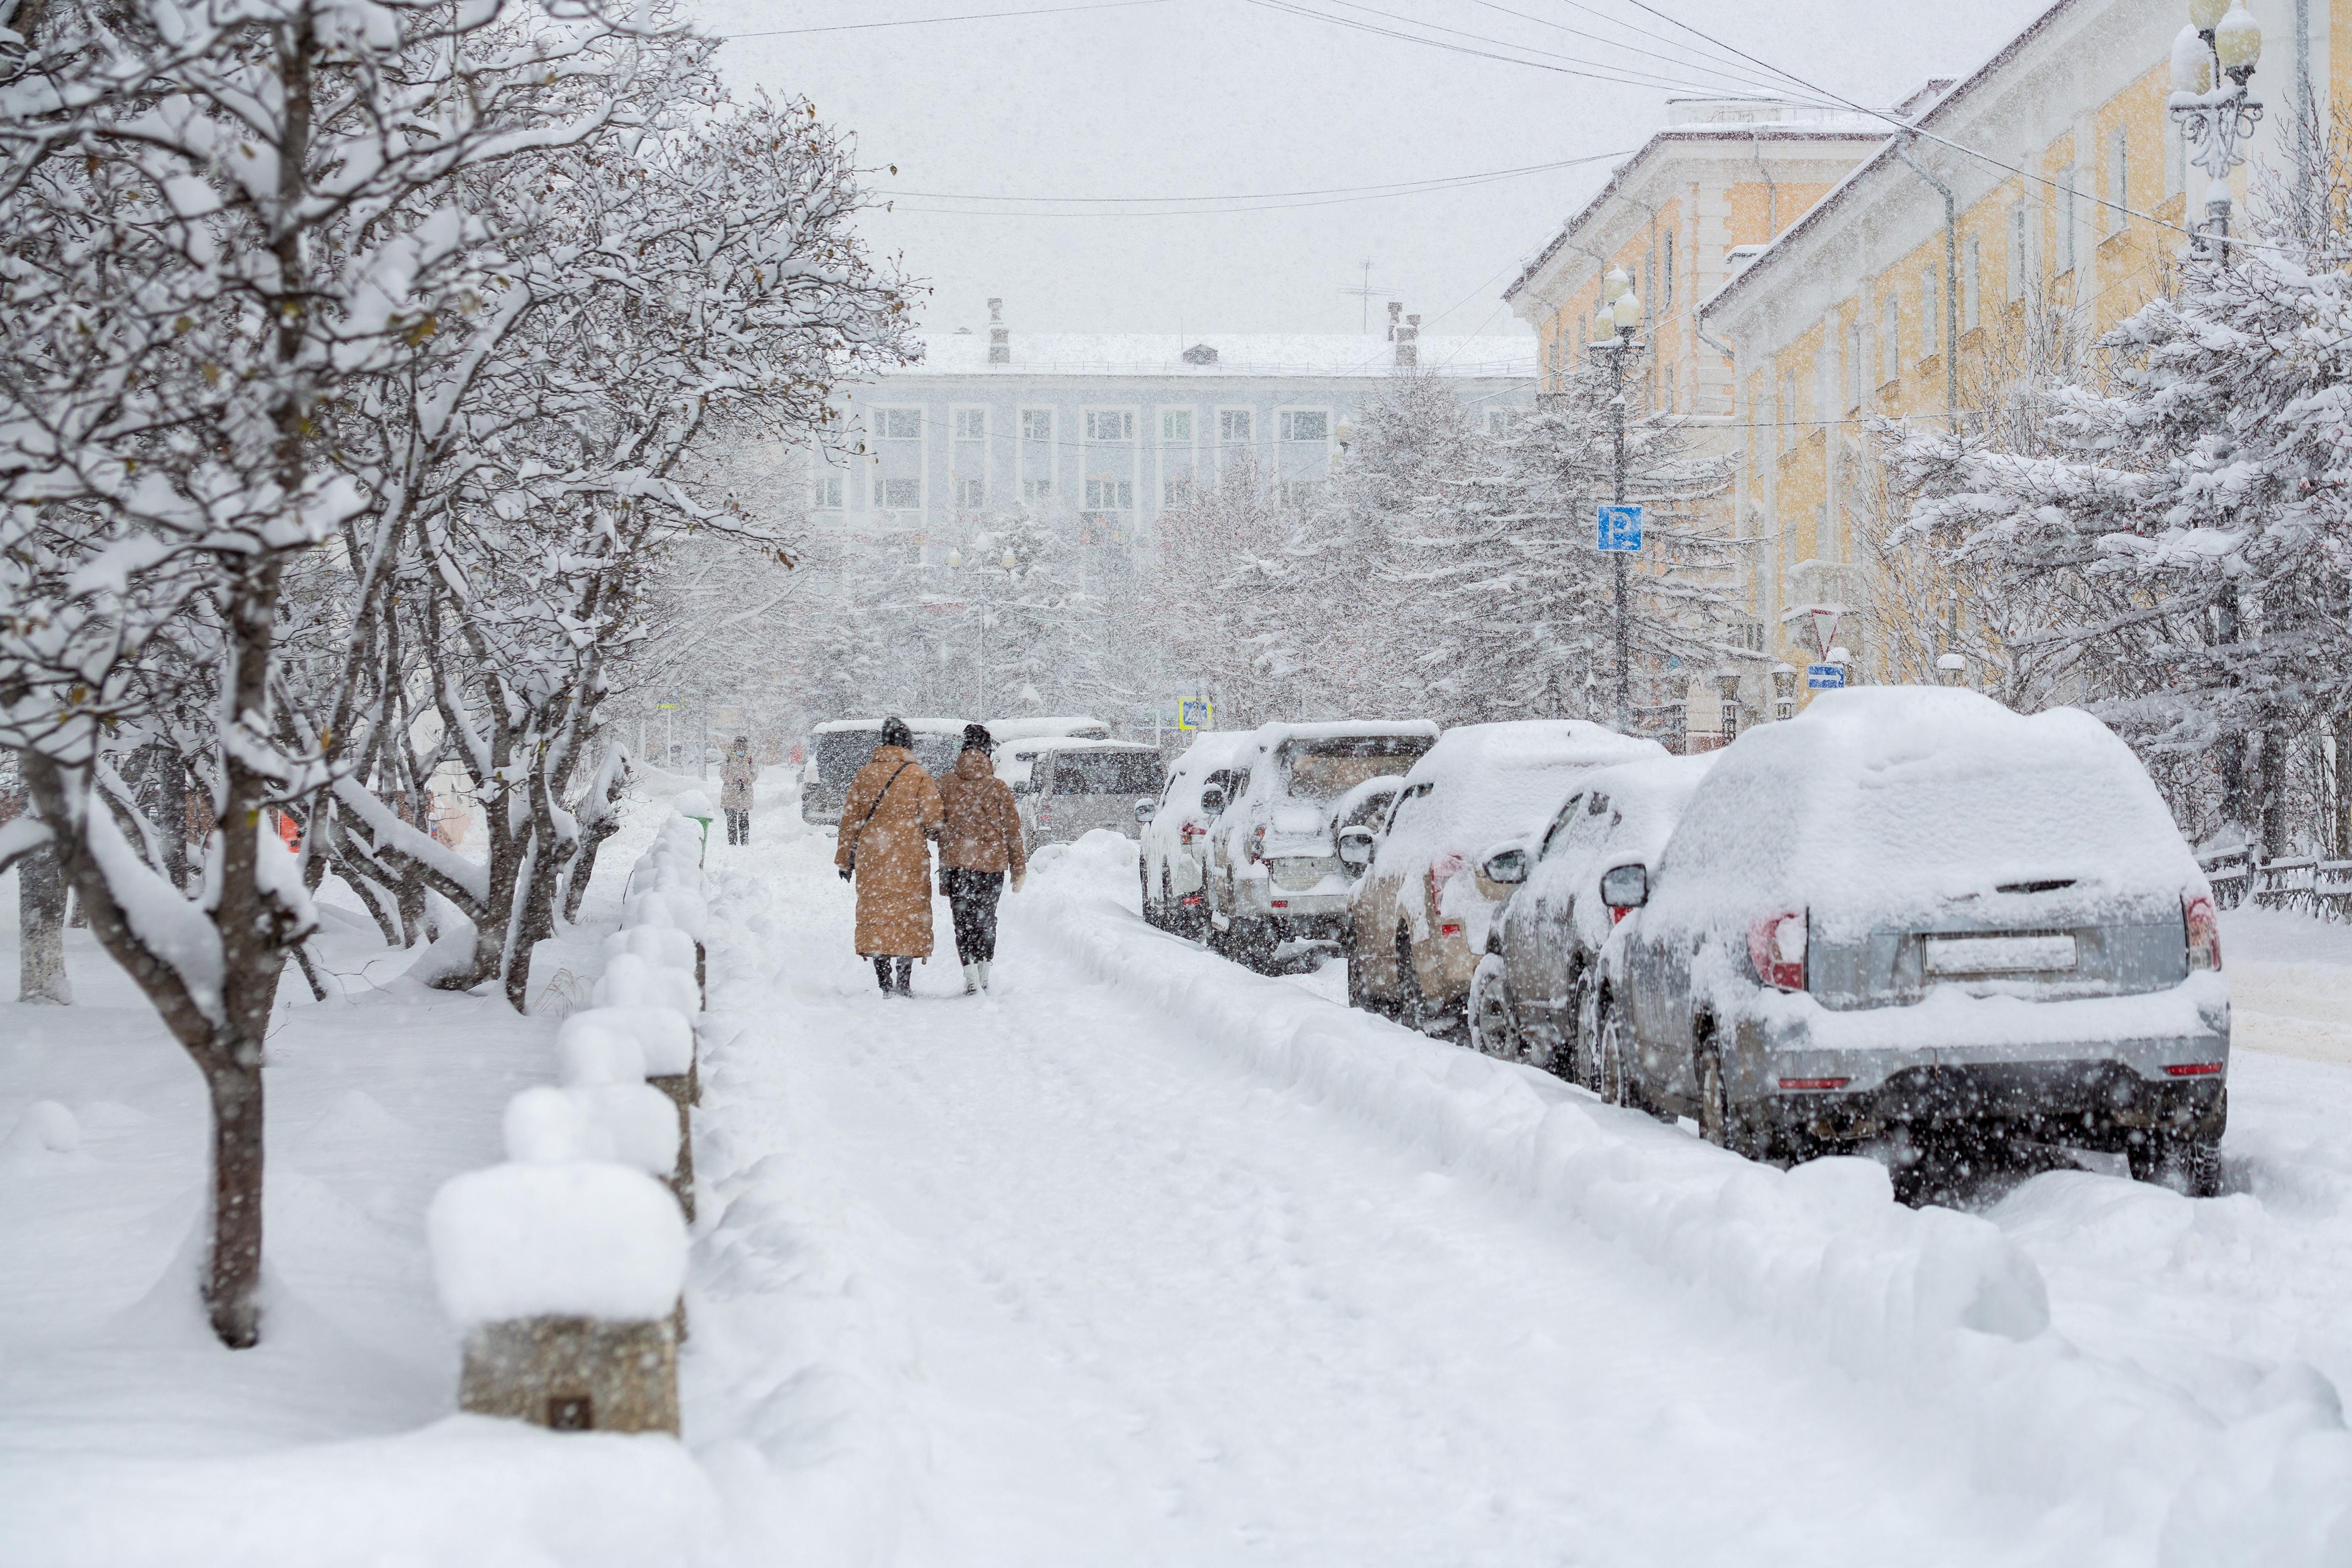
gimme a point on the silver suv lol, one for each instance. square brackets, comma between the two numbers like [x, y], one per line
[1274, 871]
[1069, 788]
[1911, 912]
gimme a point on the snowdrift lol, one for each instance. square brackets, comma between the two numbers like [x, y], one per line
[2255, 1462]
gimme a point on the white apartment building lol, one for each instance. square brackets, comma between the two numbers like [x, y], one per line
[1101, 432]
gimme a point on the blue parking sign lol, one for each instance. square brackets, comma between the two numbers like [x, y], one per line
[1619, 530]
[1825, 677]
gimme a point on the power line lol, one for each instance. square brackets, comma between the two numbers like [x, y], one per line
[966, 16]
[1267, 201]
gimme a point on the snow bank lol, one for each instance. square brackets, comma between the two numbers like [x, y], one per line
[1942, 1304]
[693, 803]
[678, 909]
[593, 1049]
[665, 947]
[582, 1239]
[632, 1124]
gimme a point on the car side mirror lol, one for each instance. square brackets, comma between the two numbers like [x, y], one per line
[1356, 847]
[1212, 799]
[1145, 810]
[1625, 887]
[1507, 867]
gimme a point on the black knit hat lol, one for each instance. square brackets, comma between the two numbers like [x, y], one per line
[896, 733]
[976, 738]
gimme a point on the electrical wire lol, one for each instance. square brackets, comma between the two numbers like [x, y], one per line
[929, 21]
[1337, 196]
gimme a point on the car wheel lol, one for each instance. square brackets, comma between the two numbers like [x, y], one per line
[1607, 1051]
[1581, 1046]
[1494, 1030]
[1359, 990]
[2189, 1163]
[1152, 913]
[1714, 1101]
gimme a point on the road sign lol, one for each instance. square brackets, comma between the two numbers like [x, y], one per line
[1825, 677]
[1619, 530]
[1194, 712]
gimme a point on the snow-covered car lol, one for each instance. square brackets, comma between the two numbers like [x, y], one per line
[1067, 788]
[1420, 918]
[1535, 992]
[1911, 912]
[838, 748]
[1075, 727]
[1176, 839]
[1274, 871]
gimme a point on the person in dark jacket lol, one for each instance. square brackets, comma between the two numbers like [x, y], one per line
[885, 843]
[979, 846]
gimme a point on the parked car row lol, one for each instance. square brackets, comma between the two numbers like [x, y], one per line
[1908, 912]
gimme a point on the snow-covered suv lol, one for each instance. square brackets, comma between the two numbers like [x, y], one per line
[1913, 911]
[1274, 872]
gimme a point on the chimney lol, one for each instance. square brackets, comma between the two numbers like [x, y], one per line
[1395, 309]
[1000, 341]
[1408, 340]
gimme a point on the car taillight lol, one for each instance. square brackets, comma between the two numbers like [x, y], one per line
[2204, 929]
[1776, 947]
[1191, 831]
[1257, 846]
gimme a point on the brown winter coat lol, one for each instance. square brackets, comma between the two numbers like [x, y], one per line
[893, 852]
[735, 782]
[983, 831]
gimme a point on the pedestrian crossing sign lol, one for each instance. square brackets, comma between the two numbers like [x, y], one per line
[1194, 712]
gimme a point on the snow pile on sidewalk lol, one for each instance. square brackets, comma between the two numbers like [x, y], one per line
[1942, 1304]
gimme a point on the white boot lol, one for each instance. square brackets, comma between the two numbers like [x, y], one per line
[975, 975]
[982, 967]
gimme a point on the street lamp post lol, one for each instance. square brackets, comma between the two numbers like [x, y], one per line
[1614, 327]
[2217, 120]
[2222, 41]
[980, 668]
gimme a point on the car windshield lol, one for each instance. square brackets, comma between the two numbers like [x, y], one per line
[1107, 772]
[1326, 770]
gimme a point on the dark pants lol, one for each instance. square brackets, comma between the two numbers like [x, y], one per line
[739, 826]
[972, 896]
[895, 973]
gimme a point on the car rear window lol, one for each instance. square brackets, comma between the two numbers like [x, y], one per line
[1107, 772]
[841, 752]
[1326, 770]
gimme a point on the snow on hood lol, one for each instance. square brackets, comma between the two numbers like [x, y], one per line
[1882, 805]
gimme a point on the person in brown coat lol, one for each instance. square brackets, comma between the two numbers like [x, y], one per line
[885, 828]
[980, 845]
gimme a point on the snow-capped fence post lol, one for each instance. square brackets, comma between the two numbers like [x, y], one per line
[565, 1277]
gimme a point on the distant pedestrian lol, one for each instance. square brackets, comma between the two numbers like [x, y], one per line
[979, 846]
[885, 828]
[735, 790]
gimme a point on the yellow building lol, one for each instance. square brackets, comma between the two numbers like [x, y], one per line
[2026, 209]
[1679, 218]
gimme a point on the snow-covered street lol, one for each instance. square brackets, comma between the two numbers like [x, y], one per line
[1142, 1258]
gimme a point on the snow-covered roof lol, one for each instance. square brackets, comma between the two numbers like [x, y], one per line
[1248, 354]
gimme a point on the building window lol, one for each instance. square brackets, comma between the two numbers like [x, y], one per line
[1036, 424]
[829, 492]
[1890, 341]
[1931, 319]
[1233, 426]
[1971, 283]
[1109, 425]
[2119, 179]
[969, 493]
[1175, 492]
[1787, 413]
[1036, 492]
[1667, 297]
[1306, 425]
[1857, 366]
[1176, 426]
[897, 495]
[1297, 493]
[971, 424]
[899, 424]
[2019, 225]
[1501, 421]
[1111, 495]
[1666, 393]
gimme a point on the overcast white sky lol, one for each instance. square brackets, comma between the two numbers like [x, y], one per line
[1227, 98]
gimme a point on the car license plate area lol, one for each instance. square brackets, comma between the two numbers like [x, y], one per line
[1976, 956]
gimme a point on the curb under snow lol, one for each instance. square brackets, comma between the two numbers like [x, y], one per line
[2251, 1467]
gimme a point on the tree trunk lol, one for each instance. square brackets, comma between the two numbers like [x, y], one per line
[2340, 824]
[583, 866]
[2273, 795]
[232, 1278]
[161, 788]
[41, 914]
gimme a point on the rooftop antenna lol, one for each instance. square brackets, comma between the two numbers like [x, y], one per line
[1365, 293]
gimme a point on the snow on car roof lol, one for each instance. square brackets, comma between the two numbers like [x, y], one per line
[1214, 750]
[1467, 749]
[1004, 730]
[1883, 804]
[1649, 797]
[1271, 736]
